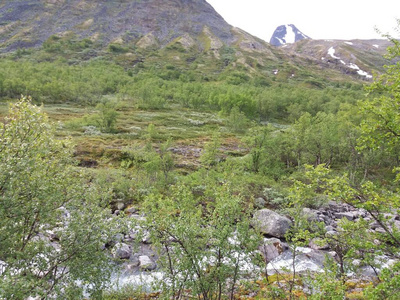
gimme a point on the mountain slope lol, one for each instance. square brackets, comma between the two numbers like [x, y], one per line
[359, 58]
[30, 23]
[188, 34]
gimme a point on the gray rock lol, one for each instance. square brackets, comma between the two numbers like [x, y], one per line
[374, 225]
[324, 218]
[271, 223]
[329, 228]
[118, 237]
[332, 254]
[362, 213]
[131, 210]
[348, 215]
[146, 238]
[310, 214]
[134, 260]
[130, 267]
[333, 205]
[146, 264]
[380, 230]
[122, 251]
[41, 237]
[271, 249]
[330, 233]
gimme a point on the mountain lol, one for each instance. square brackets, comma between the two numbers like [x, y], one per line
[188, 34]
[359, 58]
[286, 34]
[29, 23]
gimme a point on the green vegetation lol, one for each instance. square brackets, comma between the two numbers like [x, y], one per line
[203, 241]
[44, 197]
[195, 143]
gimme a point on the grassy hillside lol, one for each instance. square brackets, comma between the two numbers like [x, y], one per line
[204, 126]
[185, 93]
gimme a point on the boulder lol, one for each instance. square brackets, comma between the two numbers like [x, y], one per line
[146, 238]
[271, 248]
[310, 214]
[331, 233]
[146, 264]
[329, 228]
[134, 260]
[271, 223]
[380, 230]
[348, 215]
[122, 251]
[374, 225]
[131, 210]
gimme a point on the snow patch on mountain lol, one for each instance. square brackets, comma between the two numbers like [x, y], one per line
[282, 41]
[290, 37]
[359, 71]
[354, 66]
[331, 52]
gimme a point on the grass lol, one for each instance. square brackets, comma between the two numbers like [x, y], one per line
[188, 129]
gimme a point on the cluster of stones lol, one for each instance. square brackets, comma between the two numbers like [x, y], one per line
[271, 224]
[136, 259]
[274, 226]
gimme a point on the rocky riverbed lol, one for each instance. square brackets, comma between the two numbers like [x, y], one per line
[136, 258]
[138, 264]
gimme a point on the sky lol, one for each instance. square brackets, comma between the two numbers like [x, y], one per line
[335, 19]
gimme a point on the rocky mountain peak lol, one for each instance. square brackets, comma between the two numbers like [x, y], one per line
[28, 23]
[287, 34]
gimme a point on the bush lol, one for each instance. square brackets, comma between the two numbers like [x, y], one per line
[52, 224]
[202, 247]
